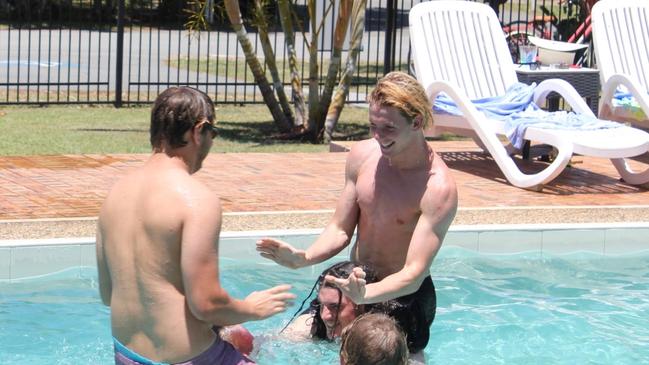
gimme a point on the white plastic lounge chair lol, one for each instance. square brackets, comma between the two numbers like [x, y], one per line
[621, 36]
[459, 48]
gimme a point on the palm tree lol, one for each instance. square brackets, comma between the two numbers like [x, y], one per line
[321, 106]
[336, 106]
[234, 15]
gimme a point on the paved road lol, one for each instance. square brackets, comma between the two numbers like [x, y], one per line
[82, 56]
[64, 56]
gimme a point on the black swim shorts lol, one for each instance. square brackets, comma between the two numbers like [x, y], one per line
[415, 314]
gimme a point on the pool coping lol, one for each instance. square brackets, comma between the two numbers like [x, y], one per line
[316, 219]
[25, 258]
[500, 229]
[36, 247]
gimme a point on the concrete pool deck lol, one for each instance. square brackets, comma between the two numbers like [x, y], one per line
[60, 196]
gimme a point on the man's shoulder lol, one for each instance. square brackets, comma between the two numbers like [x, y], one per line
[168, 186]
[441, 183]
[201, 196]
[441, 190]
[363, 147]
[299, 329]
[362, 152]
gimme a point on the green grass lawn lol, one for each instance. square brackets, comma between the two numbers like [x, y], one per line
[104, 129]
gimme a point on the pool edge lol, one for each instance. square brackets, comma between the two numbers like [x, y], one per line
[20, 258]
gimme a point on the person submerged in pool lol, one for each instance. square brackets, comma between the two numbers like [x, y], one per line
[330, 312]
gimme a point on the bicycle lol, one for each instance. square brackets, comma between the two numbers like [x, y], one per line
[574, 27]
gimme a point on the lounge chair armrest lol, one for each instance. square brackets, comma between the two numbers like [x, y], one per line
[462, 101]
[484, 131]
[567, 92]
[636, 90]
[487, 136]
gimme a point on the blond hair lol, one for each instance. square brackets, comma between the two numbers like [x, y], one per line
[401, 91]
[373, 339]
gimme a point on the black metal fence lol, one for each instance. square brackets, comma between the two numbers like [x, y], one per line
[127, 51]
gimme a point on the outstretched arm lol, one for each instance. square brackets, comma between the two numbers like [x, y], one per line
[336, 235]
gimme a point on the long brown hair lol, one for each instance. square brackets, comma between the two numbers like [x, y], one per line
[339, 270]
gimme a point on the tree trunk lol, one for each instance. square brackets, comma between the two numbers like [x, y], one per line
[333, 113]
[314, 106]
[269, 55]
[234, 15]
[342, 23]
[296, 80]
[96, 9]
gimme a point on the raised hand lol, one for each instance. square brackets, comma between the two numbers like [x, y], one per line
[266, 303]
[281, 252]
[353, 286]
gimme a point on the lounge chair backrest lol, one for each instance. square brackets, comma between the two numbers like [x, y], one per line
[621, 36]
[463, 43]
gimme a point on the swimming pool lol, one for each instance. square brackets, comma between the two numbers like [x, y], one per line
[527, 308]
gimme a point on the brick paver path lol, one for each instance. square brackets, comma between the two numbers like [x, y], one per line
[74, 186]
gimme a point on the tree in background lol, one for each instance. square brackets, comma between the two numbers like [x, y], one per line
[325, 103]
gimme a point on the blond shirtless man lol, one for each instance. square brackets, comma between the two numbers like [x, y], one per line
[157, 249]
[400, 197]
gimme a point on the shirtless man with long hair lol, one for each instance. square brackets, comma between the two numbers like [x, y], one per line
[401, 198]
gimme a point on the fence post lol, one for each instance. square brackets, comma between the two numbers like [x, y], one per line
[387, 55]
[119, 61]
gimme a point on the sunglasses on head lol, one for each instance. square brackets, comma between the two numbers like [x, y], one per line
[210, 127]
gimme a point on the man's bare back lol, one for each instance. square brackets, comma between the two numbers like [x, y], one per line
[141, 222]
[157, 248]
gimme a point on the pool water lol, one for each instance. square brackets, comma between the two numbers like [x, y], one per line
[491, 309]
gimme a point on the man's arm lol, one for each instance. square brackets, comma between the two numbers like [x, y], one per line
[105, 282]
[337, 234]
[439, 206]
[205, 296]
[335, 237]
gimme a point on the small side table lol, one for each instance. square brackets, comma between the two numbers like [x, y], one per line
[584, 80]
